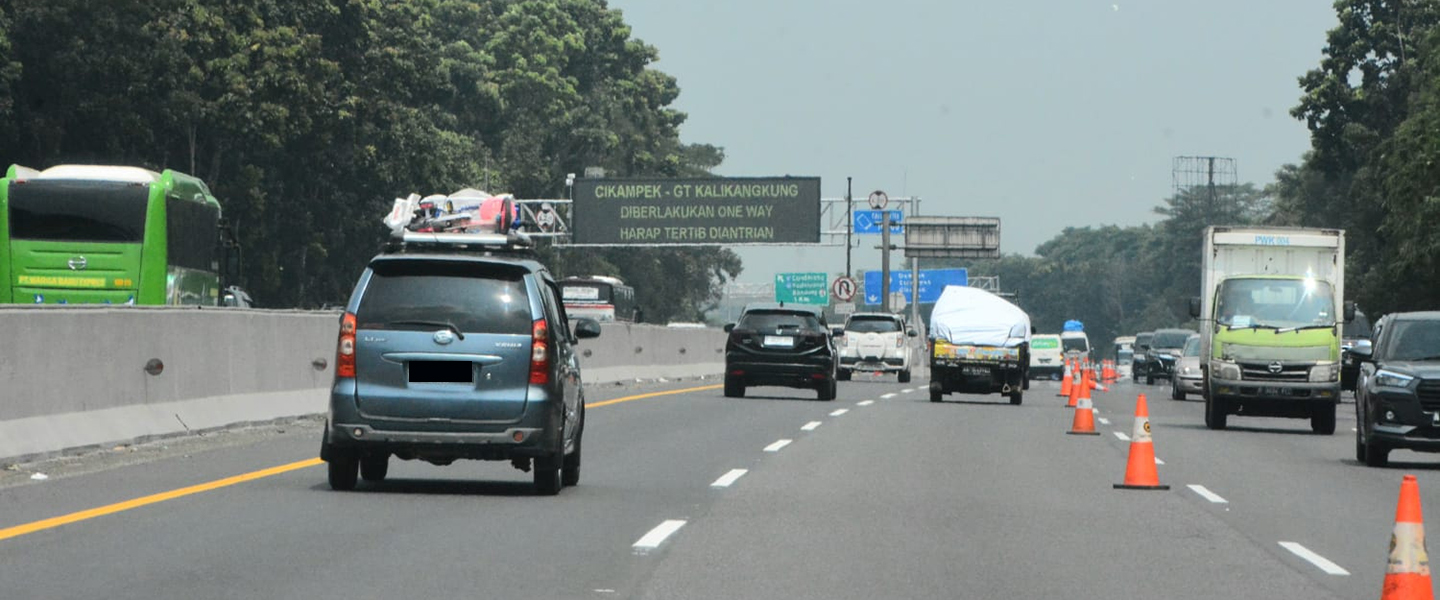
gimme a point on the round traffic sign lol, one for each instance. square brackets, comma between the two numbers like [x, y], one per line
[843, 288]
[878, 200]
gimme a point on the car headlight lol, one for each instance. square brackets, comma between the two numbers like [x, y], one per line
[1392, 379]
[1188, 370]
[1324, 373]
[1225, 370]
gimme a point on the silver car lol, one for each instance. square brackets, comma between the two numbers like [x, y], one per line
[1187, 379]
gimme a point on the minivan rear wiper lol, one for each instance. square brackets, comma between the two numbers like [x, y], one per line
[446, 324]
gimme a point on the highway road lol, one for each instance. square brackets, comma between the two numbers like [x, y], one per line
[686, 494]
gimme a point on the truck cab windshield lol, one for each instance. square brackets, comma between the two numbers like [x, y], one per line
[1275, 304]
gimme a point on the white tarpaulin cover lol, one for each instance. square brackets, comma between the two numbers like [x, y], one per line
[967, 316]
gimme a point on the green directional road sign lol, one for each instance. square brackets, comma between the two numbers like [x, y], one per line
[802, 288]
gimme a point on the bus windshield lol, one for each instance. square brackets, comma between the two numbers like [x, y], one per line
[78, 211]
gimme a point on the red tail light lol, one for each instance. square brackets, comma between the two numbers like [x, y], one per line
[345, 352]
[539, 353]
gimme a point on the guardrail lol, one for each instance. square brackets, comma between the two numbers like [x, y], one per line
[78, 378]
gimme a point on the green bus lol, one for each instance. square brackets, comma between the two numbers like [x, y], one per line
[93, 234]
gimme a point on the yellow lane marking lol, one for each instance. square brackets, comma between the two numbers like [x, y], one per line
[654, 394]
[111, 509]
[83, 515]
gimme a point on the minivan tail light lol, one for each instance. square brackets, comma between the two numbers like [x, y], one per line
[345, 350]
[539, 353]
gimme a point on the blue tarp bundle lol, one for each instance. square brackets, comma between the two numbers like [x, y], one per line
[1073, 325]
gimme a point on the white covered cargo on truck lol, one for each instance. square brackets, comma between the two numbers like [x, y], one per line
[966, 316]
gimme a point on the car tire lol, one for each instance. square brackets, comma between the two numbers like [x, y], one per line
[547, 475]
[843, 374]
[343, 469]
[1215, 413]
[375, 467]
[1016, 396]
[937, 391]
[1360, 449]
[1376, 454]
[1322, 419]
[1175, 393]
[1149, 379]
[570, 465]
[904, 376]
[827, 390]
[734, 389]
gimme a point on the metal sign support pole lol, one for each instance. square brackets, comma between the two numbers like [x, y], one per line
[885, 262]
[849, 225]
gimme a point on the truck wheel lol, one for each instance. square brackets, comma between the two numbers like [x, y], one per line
[734, 389]
[937, 391]
[905, 376]
[1215, 415]
[1016, 396]
[843, 374]
[1322, 419]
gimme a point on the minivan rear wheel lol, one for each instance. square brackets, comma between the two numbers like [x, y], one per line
[547, 476]
[343, 469]
[375, 467]
[570, 467]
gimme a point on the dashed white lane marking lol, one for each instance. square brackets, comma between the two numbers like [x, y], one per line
[864, 403]
[906, 391]
[657, 535]
[888, 396]
[1321, 562]
[1104, 421]
[1159, 462]
[810, 426]
[775, 447]
[729, 478]
[839, 412]
[1122, 436]
[1207, 494]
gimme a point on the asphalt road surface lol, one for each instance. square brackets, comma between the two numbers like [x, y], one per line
[687, 494]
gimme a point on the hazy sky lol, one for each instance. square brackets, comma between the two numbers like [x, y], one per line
[1045, 113]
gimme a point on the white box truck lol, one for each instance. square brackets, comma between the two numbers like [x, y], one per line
[1270, 311]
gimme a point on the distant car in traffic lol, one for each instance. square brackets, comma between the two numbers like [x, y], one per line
[1352, 332]
[1187, 378]
[1139, 355]
[876, 342]
[1397, 396]
[1164, 351]
[777, 345]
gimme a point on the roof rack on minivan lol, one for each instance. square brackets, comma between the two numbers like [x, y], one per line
[416, 241]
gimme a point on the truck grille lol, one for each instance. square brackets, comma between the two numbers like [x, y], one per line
[1429, 393]
[1261, 372]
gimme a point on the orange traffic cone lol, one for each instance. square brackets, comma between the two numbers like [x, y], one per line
[1079, 384]
[1065, 382]
[1140, 471]
[1407, 573]
[1084, 423]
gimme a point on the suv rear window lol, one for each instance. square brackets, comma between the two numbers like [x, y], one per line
[1075, 344]
[767, 320]
[1170, 339]
[873, 325]
[475, 297]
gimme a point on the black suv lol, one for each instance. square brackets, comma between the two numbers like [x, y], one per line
[781, 345]
[1397, 395]
[1141, 353]
[457, 346]
[1352, 332]
[1166, 345]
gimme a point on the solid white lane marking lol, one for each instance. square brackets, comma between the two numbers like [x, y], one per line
[657, 535]
[1207, 494]
[864, 403]
[1321, 562]
[888, 396]
[906, 391]
[729, 478]
[1104, 421]
[775, 447]
[810, 426]
[1122, 436]
[1159, 462]
[839, 412]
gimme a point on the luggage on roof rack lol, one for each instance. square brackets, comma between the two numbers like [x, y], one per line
[466, 221]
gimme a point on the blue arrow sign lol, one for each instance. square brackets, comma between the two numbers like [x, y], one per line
[870, 221]
[932, 283]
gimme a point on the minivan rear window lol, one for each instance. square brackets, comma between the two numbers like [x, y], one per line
[426, 295]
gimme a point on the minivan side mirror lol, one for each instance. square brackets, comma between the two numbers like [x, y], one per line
[586, 328]
[911, 332]
[1349, 308]
[837, 331]
[729, 327]
[1195, 307]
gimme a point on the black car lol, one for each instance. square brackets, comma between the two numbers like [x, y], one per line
[457, 347]
[1352, 332]
[1137, 359]
[1165, 349]
[1397, 394]
[787, 346]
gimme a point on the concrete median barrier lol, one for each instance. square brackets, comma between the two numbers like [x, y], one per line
[76, 378]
